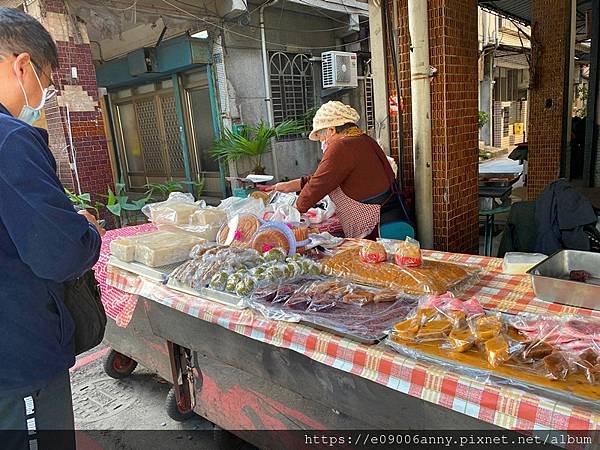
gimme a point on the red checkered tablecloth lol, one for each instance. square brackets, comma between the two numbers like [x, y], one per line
[504, 406]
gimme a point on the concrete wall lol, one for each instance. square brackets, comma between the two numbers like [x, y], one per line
[245, 80]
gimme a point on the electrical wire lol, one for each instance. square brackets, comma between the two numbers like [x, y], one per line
[252, 38]
[321, 13]
[325, 30]
[133, 5]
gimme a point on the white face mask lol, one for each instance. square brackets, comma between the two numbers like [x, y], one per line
[30, 114]
[324, 146]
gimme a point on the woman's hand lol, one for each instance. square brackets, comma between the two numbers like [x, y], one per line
[286, 186]
[91, 219]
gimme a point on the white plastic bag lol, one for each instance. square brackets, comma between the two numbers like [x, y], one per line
[282, 213]
[233, 206]
[319, 215]
[176, 210]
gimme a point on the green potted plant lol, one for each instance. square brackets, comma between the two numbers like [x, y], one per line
[126, 212]
[253, 142]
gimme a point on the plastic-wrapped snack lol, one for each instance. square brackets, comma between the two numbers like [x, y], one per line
[461, 340]
[556, 366]
[245, 287]
[497, 351]
[385, 295]
[232, 282]
[274, 235]
[239, 230]
[206, 222]
[358, 296]
[176, 210]
[433, 277]
[408, 253]
[219, 281]
[405, 331]
[434, 330]
[165, 250]
[199, 250]
[537, 350]
[123, 249]
[424, 315]
[373, 252]
[486, 328]
[516, 336]
[275, 255]
[589, 362]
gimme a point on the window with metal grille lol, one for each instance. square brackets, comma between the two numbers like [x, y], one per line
[292, 86]
[505, 121]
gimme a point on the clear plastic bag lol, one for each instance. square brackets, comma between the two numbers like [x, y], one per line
[239, 230]
[408, 253]
[433, 277]
[325, 303]
[233, 206]
[547, 346]
[372, 252]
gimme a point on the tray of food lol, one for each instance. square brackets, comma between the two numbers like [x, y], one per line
[399, 267]
[569, 277]
[359, 313]
[213, 295]
[498, 179]
[159, 274]
[557, 355]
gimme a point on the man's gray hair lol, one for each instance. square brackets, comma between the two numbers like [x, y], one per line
[21, 33]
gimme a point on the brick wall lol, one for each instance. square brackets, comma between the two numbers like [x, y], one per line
[548, 98]
[454, 105]
[76, 104]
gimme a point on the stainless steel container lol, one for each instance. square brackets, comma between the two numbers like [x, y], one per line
[551, 279]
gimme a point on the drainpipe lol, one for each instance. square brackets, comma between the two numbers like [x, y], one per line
[421, 119]
[268, 100]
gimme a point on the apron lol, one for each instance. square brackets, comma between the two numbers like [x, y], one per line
[358, 219]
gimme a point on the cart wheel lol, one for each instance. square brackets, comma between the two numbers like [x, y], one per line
[173, 408]
[118, 366]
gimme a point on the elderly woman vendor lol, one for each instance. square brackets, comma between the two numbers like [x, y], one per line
[354, 172]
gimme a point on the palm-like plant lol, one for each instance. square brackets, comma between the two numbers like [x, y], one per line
[252, 142]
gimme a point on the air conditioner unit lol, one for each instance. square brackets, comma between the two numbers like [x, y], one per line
[339, 70]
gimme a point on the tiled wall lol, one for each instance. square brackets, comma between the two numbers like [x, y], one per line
[454, 106]
[518, 110]
[547, 95]
[80, 97]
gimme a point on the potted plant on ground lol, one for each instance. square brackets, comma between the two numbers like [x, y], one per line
[252, 142]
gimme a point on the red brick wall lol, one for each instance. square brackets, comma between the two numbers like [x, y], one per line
[548, 97]
[86, 127]
[454, 106]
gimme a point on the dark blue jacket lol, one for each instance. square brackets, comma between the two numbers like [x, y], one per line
[43, 242]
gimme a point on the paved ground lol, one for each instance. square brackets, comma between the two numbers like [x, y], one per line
[130, 414]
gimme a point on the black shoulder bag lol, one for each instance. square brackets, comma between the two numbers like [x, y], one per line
[82, 299]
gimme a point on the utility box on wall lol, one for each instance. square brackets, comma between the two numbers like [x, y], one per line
[518, 128]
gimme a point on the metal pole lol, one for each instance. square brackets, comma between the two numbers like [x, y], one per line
[421, 119]
[593, 103]
[183, 141]
[267, 77]
[214, 109]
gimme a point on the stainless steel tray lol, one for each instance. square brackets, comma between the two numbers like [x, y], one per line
[159, 274]
[491, 179]
[223, 298]
[551, 279]
[371, 340]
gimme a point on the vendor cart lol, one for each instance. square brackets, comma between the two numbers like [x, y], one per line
[244, 372]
